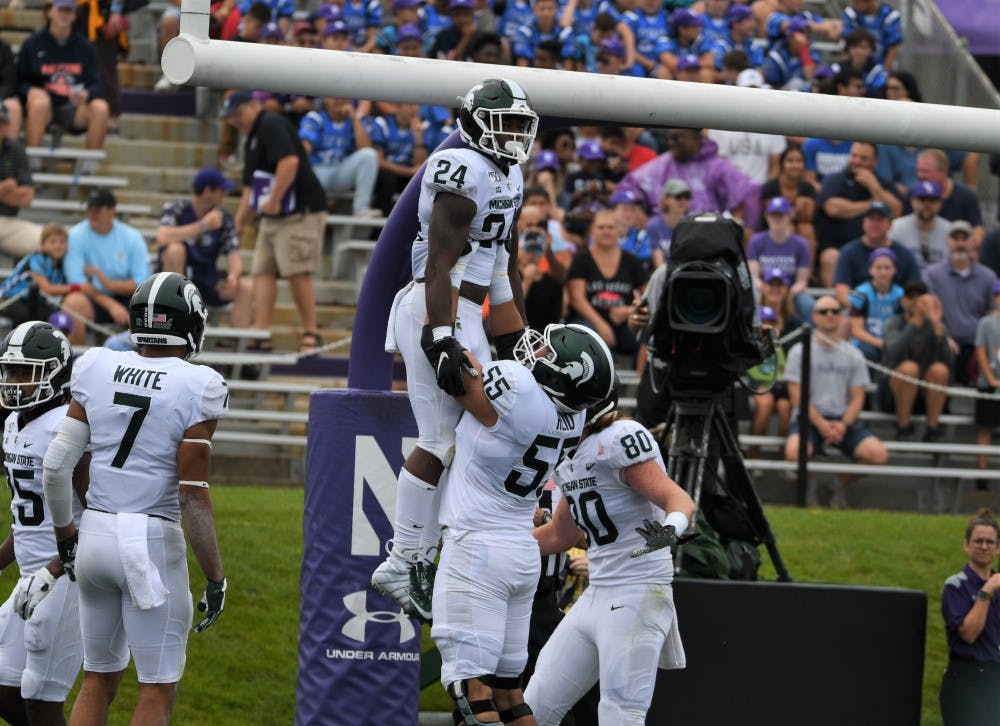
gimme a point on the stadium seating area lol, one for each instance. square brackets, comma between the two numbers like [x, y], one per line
[164, 136]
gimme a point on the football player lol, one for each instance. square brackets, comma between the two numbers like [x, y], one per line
[616, 490]
[40, 649]
[148, 416]
[529, 412]
[464, 249]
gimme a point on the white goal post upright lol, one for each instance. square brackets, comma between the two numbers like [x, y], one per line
[193, 59]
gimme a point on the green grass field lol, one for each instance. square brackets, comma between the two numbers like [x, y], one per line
[242, 670]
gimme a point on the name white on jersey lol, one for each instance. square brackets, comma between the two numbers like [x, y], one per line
[497, 194]
[23, 452]
[139, 409]
[608, 510]
[498, 473]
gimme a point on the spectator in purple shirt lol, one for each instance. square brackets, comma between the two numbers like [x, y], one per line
[716, 185]
[970, 606]
[779, 248]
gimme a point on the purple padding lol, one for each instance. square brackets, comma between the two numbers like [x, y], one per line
[388, 270]
[359, 656]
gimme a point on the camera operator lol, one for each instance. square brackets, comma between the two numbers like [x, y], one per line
[542, 272]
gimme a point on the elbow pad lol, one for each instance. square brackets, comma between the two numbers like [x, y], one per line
[61, 458]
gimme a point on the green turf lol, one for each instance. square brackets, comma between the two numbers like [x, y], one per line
[243, 669]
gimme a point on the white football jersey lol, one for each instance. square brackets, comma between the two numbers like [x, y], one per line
[23, 452]
[498, 473]
[608, 510]
[497, 193]
[139, 409]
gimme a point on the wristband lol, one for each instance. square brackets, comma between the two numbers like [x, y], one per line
[440, 332]
[679, 521]
[74, 287]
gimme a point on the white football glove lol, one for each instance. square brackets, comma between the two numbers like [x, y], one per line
[38, 586]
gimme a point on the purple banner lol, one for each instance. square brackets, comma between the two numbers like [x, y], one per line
[359, 656]
[978, 21]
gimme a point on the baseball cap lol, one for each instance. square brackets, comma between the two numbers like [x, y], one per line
[456, 4]
[736, 13]
[925, 190]
[879, 207]
[682, 17]
[688, 62]
[61, 321]
[233, 101]
[546, 159]
[675, 186]
[397, 4]
[797, 25]
[625, 196]
[327, 12]
[272, 30]
[776, 273]
[64, 4]
[590, 149]
[334, 27]
[612, 46]
[410, 31]
[823, 72]
[303, 26]
[750, 78]
[882, 252]
[209, 178]
[778, 205]
[100, 197]
[767, 314]
[959, 225]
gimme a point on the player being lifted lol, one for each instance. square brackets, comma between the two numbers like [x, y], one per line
[616, 490]
[149, 417]
[527, 413]
[40, 658]
[465, 248]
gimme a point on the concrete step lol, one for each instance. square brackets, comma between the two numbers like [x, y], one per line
[330, 316]
[243, 464]
[165, 179]
[138, 75]
[154, 152]
[156, 200]
[29, 19]
[168, 128]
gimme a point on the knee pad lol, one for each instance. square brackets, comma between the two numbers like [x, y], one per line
[466, 710]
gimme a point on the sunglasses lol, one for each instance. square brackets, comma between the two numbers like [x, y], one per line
[827, 311]
[603, 60]
[682, 195]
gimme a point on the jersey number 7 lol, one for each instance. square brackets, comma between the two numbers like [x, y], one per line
[141, 404]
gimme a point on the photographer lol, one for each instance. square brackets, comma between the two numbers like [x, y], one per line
[542, 272]
[604, 282]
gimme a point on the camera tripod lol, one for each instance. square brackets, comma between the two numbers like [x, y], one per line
[701, 436]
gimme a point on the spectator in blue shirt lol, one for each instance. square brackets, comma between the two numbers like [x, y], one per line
[580, 52]
[193, 233]
[859, 56]
[791, 60]
[105, 262]
[882, 21]
[687, 39]
[451, 42]
[542, 26]
[610, 58]
[281, 11]
[324, 15]
[35, 277]
[515, 14]
[673, 208]
[363, 19]
[741, 36]
[404, 13]
[336, 36]
[340, 151]
[400, 148]
[631, 217]
[716, 17]
[649, 24]
[874, 303]
[776, 26]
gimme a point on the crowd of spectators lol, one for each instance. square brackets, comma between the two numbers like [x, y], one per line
[896, 232]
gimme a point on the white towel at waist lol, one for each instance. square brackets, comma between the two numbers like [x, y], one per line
[672, 655]
[143, 578]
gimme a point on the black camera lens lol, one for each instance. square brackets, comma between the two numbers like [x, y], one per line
[699, 302]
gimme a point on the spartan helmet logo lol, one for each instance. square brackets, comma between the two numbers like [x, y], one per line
[582, 370]
[356, 628]
[194, 301]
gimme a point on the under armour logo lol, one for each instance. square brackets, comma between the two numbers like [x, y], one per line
[582, 370]
[355, 628]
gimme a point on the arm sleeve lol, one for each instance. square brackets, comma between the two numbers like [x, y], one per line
[61, 458]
